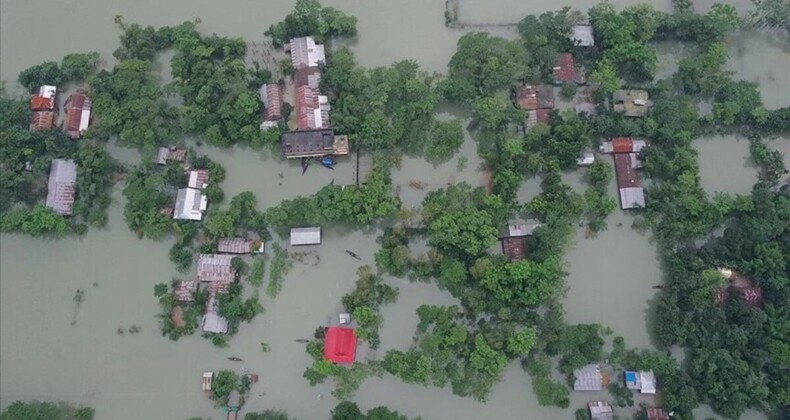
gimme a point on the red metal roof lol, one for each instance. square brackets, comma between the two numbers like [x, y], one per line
[527, 97]
[622, 145]
[543, 116]
[514, 248]
[751, 294]
[274, 102]
[42, 120]
[564, 68]
[340, 345]
[627, 176]
[41, 103]
[76, 103]
[654, 413]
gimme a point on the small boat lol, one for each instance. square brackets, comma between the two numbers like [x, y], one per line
[235, 359]
[658, 286]
[302, 340]
[353, 255]
[305, 164]
[328, 162]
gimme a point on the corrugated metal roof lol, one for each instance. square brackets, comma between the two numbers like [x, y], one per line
[198, 178]
[42, 120]
[306, 53]
[306, 236]
[273, 100]
[185, 290]
[308, 143]
[583, 35]
[588, 378]
[190, 204]
[632, 198]
[234, 246]
[61, 186]
[600, 410]
[78, 112]
[215, 268]
[564, 71]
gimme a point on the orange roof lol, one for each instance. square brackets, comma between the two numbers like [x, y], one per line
[42, 103]
[42, 120]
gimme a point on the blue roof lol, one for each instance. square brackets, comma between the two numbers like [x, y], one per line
[630, 376]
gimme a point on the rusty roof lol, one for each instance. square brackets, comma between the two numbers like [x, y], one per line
[564, 71]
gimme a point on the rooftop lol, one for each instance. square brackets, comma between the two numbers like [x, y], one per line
[42, 120]
[655, 413]
[515, 248]
[272, 98]
[312, 108]
[306, 236]
[170, 153]
[600, 410]
[564, 69]
[642, 381]
[191, 203]
[215, 268]
[306, 53]
[634, 103]
[237, 246]
[623, 145]
[340, 345]
[583, 35]
[751, 294]
[307, 76]
[588, 378]
[78, 114]
[628, 181]
[532, 97]
[62, 185]
[308, 143]
[198, 178]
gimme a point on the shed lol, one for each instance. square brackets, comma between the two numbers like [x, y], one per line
[340, 345]
[215, 268]
[634, 103]
[586, 159]
[61, 188]
[564, 69]
[545, 97]
[45, 99]
[191, 203]
[78, 114]
[655, 413]
[623, 145]
[213, 323]
[208, 379]
[583, 35]
[165, 154]
[305, 236]
[642, 381]
[272, 98]
[631, 193]
[311, 143]
[185, 290]
[42, 120]
[239, 246]
[588, 378]
[307, 76]
[198, 178]
[600, 410]
[538, 116]
[306, 53]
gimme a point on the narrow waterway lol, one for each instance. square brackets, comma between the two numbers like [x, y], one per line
[144, 375]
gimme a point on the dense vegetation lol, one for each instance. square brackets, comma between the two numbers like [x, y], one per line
[38, 410]
[310, 19]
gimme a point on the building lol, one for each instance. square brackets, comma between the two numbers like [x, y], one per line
[208, 379]
[589, 378]
[191, 204]
[532, 97]
[215, 268]
[642, 381]
[751, 294]
[600, 410]
[623, 145]
[212, 322]
[198, 178]
[239, 246]
[62, 185]
[78, 114]
[340, 345]
[45, 99]
[514, 239]
[306, 53]
[185, 290]
[538, 116]
[306, 236]
[361, 168]
[313, 143]
[312, 108]
[307, 76]
[655, 413]
[564, 69]
[633, 103]
[582, 35]
[165, 154]
[632, 195]
[42, 120]
[586, 159]
[272, 98]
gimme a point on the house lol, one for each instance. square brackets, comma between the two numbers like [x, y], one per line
[215, 268]
[78, 114]
[538, 116]
[191, 203]
[306, 236]
[751, 294]
[212, 322]
[307, 76]
[582, 35]
[306, 53]
[165, 154]
[312, 108]
[514, 239]
[589, 378]
[600, 410]
[208, 379]
[623, 145]
[642, 381]
[564, 69]
[361, 168]
[62, 186]
[42, 120]
[632, 195]
[313, 143]
[185, 290]
[239, 246]
[531, 97]
[45, 99]
[634, 103]
[655, 413]
[198, 178]
[340, 345]
[272, 98]
[586, 159]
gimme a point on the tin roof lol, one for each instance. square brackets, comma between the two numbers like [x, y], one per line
[272, 98]
[306, 236]
[307, 76]
[564, 71]
[62, 185]
[583, 35]
[190, 204]
[164, 154]
[213, 323]
[235, 246]
[306, 53]
[642, 381]
[215, 268]
[588, 378]
[185, 290]
[308, 143]
[340, 345]
[527, 97]
[312, 108]
[600, 410]
[515, 248]
[655, 413]
[41, 103]
[42, 120]
[198, 178]
[78, 114]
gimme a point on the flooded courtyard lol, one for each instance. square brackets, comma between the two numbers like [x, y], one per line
[54, 348]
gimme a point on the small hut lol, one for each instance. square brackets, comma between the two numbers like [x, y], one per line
[589, 378]
[642, 381]
[600, 410]
[208, 379]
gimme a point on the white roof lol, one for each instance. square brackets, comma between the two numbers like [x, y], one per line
[214, 323]
[62, 185]
[306, 236]
[632, 198]
[190, 204]
[47, 91]
[583, 35]
[85, 119]
[587, 158]
[194, 180]
[647, 381]
[306, 53]
[588, 378]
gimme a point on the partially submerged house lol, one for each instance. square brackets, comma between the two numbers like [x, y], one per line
[340, 345]
[600, 410]
[589, 378]
[165, 154]
[306, 53]
[313, 143]
[751, 294]
[642, 381]
[61, 187]
[564, 69]
[305, 236]
[531, 97]
[312, 108]
[185, 290]
[655, 413]
[514, 239]
[582, 35]
[43, 108]
[212, 322]
[198, 178]
[633, 103]
[215, 268]
[239, 246]
[191, 204]
[272, 98]
[78, 114]
[632, 195]
[623, 145]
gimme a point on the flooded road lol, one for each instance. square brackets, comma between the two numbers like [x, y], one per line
[145, 375]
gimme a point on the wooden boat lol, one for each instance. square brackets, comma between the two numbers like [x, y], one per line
[235, 359]
[353, 255]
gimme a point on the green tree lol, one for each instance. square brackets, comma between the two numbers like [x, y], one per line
[522, 342]
[224, 383]
[446, 138]
[47, 73]
[42, 219]
[77, 67]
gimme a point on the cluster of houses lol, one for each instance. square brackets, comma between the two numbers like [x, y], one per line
[191, 202]
[626, 152]
[591, 378]
[44, 111]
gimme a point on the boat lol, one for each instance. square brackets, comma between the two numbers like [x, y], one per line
[659, 286]
[302, 340]
[235, 359]
[328, 162]
[353, 255]
[305, 164]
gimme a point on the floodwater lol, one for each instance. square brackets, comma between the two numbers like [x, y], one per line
[144, 375]
[725, 165]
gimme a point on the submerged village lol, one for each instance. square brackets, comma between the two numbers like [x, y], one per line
[573, 134]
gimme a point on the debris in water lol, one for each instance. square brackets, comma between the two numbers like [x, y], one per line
[418, 184]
